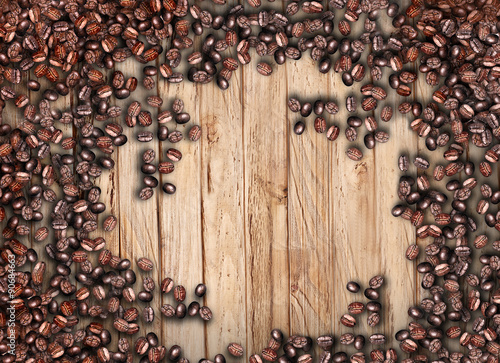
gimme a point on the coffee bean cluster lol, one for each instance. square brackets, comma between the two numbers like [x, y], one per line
[137, 115]
[352, 124]
[295, 348]
[453, 200]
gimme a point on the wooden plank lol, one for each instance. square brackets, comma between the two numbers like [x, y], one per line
[312, 285]
[138, 223]
[179, 222]
[265, 130]
[394, 235]
[352, 210]
[108, 181]
[110, 195]
[223, 214]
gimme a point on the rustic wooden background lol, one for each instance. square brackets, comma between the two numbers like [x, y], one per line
[275, 224]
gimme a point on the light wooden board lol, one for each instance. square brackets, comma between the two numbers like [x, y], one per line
[274, 223]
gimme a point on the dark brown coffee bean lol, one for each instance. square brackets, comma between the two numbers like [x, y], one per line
[179, 293]
[306, 109]
[325, 342]
[235, 349]
[372, 294]
[182, 118]
[320, 125]
[299, 128]
[294, 105]
[376, 282]
[175, 136]
[145, 264]
[195, 133]
[353, 287]
[174, 154]
[348, 320]
[354, 154]
[169, 188]
[205, 313]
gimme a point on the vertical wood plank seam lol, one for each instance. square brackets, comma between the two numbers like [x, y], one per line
[288, 151]
[330, 148]
[202, 217]
[289, 140]
[158, 217]
[242, 102]
[415, 87]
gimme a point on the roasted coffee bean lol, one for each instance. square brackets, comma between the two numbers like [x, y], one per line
[325, 342]
[145, 264]
[353, 287]
[200, 290]
[205, 313]
[299, 128]
[235, 349]
[354, 154]
[169, 188]
[376, 282]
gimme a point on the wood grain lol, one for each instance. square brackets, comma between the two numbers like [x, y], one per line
[311, 245]
[223, 211]
[265, 131]
[137, 239]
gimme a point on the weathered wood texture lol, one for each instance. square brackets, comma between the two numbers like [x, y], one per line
[274, 223]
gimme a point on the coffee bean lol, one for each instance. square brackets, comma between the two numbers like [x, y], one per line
[193, 308]
[205, 313]
[353, 287]
[195, 133]
[356, 308]
[174, 154]
[376, 282]
[325, 342]
[354, 154]
[235, 349]
[299, 128]
[169, 188]
[154, 101]
[359, 342]
[178, 106]
[269, 355]
[403, 163]
[348, 320]
[371, 294]
[145, 264]
[306, 109]
[264, 69]
[294, 105]
[146, 193]
[351, 104]
[377, 339]
[175, 136]
[320, 125]
[182, 118]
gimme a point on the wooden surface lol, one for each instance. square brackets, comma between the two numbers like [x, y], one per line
[275, 224]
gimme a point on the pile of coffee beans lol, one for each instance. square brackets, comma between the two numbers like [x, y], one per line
[73, 45]
[297, 348]
[135, 114]
[353, 122]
